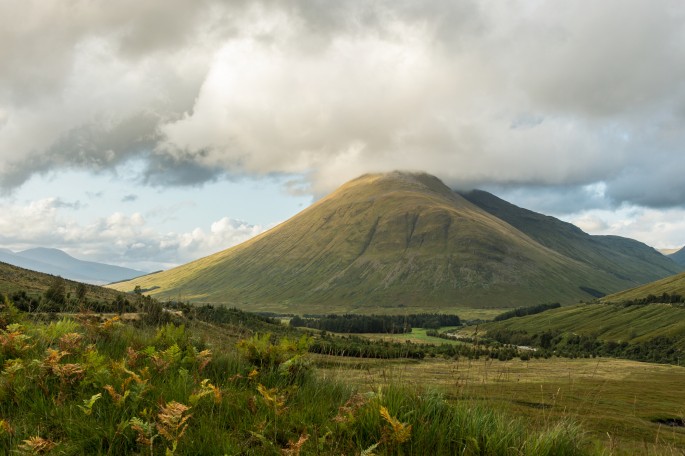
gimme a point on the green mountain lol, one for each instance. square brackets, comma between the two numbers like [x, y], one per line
[395, 242]
[678, 256]
[626, 259]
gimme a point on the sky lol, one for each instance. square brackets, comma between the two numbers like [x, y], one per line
[148, 134]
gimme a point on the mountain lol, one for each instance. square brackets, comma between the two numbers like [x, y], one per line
[57, 262]
[626, 259]
[395, 242]
[16, 279]
[678, 256]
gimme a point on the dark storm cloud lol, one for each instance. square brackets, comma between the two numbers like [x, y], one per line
[165, 170]
[527, 95]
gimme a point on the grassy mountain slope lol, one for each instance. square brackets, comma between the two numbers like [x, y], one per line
[678, 256]
[630, 261]
[390, 242]
[671, 285]
[14, 279]
[614, 322]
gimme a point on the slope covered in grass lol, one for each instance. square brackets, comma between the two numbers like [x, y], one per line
[678, 256]
[607, 322]
[673, 285]
[626, 259]
[15, 279]
[396, 242]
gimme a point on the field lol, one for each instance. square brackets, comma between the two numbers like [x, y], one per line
[624, 406]
[85, 385]
[80, 383]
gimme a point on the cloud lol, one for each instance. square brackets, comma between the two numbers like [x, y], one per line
[122, 239]
[518, 94]
[658, 228]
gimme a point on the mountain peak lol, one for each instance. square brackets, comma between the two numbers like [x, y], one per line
[402, 179]
[403, 242]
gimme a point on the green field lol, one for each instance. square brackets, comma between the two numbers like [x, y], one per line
[417, 335]
[618, 403]
[84, 385]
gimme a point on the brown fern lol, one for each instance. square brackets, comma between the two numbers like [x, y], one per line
[294, 448]
[37, 445]
[173, 423]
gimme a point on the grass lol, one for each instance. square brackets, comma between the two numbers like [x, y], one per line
[82, 385]
[672, 285]
[15, 279]
[417, 335]
[605, 321]
[617, 402]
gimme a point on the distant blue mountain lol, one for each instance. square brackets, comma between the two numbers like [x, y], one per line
[678, 257]
[57, 262]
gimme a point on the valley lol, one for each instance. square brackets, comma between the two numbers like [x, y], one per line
[503, 331]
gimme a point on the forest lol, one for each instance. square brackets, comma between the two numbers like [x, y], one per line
[388, 324]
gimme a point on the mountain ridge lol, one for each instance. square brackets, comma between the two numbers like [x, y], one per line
[57, 262]
[612, 254]
[678, 256]
[385, 242]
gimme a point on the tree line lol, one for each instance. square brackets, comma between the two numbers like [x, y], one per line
[660, 349]
[663, 298]
[387, 324]
[523, 311]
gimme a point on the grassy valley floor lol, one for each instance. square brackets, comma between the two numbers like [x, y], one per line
[626, 407]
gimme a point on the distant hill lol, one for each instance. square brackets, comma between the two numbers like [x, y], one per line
[626, 259]
[678, 256]
[57, 262]
[401, 242]
[16, 279]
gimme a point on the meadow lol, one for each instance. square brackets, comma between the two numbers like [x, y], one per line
[85, 384]
[624, 407]
[211, 380]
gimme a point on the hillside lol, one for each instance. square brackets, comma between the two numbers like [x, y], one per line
[671, 285]
[393, 242]
[15, 279]
[624, 258]
[57, 262]
[607, 322]
[678, 256]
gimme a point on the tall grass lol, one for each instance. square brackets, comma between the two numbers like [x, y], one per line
[80, 386]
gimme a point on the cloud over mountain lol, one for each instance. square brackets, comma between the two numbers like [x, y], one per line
[519, 93]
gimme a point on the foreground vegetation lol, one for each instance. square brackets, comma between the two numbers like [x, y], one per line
[624, 407]
[82, 385]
